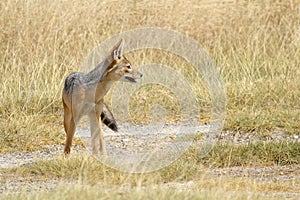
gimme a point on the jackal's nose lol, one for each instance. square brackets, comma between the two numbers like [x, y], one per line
[138, 75]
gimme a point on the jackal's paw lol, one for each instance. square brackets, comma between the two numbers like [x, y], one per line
[67, 151]
[103, 155]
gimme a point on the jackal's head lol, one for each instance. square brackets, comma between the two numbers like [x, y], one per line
[120, 67]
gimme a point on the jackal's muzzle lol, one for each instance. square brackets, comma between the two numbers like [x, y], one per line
[132, 77]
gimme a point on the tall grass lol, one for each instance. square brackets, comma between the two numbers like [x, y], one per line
[254, 43]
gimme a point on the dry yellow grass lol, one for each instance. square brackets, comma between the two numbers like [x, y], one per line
[255, 45]
[83, 176]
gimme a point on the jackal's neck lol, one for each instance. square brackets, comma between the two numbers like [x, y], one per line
[96, 75]
[104, 83]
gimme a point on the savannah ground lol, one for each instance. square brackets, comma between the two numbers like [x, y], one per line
[256, 47]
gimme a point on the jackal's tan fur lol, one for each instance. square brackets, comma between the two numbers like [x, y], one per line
[83, 95]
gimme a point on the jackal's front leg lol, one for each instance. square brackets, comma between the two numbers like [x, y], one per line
[97, 135]
[101, 139]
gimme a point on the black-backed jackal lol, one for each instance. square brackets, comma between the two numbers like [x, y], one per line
[83, 95]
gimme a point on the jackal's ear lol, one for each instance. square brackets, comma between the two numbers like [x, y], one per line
[117, 50]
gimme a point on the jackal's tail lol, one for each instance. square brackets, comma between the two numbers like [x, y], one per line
[108, 119]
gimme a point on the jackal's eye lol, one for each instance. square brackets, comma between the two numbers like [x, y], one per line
[119, 57]
[128, 67]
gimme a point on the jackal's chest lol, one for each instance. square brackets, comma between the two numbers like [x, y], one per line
[102, 89]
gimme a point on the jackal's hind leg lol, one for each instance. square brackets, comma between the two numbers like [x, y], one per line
[70, 127]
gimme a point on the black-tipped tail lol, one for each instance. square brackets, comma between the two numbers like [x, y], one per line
[108, 119]
[110, 123]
